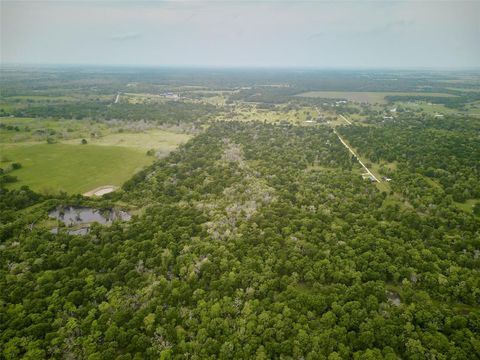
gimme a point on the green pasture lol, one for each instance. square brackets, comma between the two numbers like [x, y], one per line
[72, 168]
[164, 141]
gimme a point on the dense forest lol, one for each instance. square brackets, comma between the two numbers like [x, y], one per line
[258, 241]
[239, 179]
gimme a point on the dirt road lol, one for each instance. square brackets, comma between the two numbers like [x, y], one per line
[356, 156]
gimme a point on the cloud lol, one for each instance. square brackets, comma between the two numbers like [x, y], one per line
[126, 36]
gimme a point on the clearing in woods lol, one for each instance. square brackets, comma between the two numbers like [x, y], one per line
[72, 168]
[75, 168]
[161, 140]
[365, 96]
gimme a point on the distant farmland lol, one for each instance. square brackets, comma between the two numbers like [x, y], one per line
[364, 96]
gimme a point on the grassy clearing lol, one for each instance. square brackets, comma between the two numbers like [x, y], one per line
[249, 112]
[427, 107]
[141, 98]
[164, 141]
[29, 130]
[214, 100]
[467, 205]
[377, 167]
[365, 96]
[109, 158]
[432, 183]
[72, 168]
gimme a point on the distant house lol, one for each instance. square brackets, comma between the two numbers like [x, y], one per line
[388, 118]
[387, 179]
[439, 115]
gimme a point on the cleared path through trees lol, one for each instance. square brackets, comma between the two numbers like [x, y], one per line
[350, 149]
[344, 118]
[356, 156]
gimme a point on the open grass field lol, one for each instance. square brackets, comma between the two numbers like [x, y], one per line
[72, 168]
[471, 109]
[365, 97]
[110, 158]
[140, 98]
[165, 141]
[428, 108]
[467, 205]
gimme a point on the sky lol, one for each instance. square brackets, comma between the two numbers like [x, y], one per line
[318, 34]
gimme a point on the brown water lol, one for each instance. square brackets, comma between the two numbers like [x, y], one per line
[73, 215]
[76, 215]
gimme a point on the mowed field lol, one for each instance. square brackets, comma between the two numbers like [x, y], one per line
[366, 97]
[72, 168]
[110, 157]
[151, 139]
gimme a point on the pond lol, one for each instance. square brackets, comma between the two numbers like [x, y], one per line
[74, 215]
[79, 215]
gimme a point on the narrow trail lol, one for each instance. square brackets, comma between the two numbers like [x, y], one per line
[117, 98]
[344, 118]
[350, 149]
[356, 156]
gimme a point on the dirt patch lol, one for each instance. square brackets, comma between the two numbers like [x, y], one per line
[102, 190]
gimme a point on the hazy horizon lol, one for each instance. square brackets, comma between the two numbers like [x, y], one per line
[360, 35]
[238, 67]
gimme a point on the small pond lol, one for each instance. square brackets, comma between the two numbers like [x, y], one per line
[79, 215]
[74, 215]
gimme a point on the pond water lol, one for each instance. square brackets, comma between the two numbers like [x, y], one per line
[74, 215]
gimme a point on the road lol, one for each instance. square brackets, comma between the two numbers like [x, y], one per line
[356, 156]
[350, 149]
[344, 118]
[117, 98]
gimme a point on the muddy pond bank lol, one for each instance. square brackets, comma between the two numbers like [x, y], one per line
[78, 219]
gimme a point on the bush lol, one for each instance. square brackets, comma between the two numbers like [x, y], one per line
[476, 209]
[6, 179]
